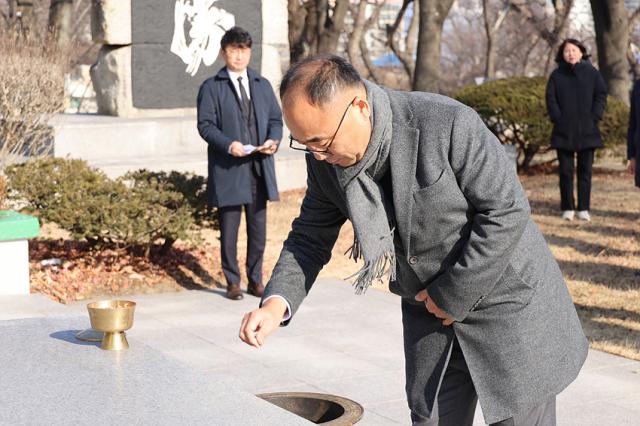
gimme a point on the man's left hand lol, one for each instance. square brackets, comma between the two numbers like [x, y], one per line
[423, 296]
[269, 147]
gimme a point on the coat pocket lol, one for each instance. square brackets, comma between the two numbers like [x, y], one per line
[509, 291]
[439, 220]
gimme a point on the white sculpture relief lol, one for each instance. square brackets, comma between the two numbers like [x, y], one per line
[198, 28]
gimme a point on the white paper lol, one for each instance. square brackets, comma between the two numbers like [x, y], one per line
[248, 149]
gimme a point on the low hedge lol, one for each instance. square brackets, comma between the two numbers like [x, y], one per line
[138, 209]
[514, 110]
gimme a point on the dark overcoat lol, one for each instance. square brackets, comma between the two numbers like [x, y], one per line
[464, 232]
[633, 134]
[576, 99]
[220, 122]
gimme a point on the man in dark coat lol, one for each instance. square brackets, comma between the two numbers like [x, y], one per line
[576, 100]
[239, 117]
[633, 134]
[485, 310]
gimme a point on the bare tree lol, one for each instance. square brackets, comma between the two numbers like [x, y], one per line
[558, 32]
[359, 14]
[612, 38]
[31, 92]
[491, 27]
[357, 48]
[427, 71]
[406, 55]
[60, 21]
[315, 26]
[458, 67]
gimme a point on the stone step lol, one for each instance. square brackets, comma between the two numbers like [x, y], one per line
[117, 145]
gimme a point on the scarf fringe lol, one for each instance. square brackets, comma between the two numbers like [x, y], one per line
[372, 270]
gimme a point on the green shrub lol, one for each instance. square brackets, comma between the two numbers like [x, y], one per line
[192, 187]
[514, 110]
[67, 192]
[130, 211]
[153, 210]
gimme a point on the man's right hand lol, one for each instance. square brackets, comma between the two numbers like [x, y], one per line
[631, 166]
[236, 149]
[258, 324]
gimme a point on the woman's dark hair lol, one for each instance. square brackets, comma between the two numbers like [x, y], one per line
[321, 77]
[236, 36]
[577, 43]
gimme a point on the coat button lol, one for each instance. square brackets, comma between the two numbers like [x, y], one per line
[413, 260]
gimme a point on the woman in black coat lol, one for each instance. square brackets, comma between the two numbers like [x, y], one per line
[576, 99]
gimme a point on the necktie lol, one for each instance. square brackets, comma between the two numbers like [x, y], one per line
[246, 103]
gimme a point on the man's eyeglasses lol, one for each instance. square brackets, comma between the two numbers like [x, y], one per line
[294, 144]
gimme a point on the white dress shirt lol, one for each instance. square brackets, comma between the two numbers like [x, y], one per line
[245, 81]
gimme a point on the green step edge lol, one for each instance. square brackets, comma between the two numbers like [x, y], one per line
[16, 226]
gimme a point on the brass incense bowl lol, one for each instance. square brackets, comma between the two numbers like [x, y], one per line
[112, 317]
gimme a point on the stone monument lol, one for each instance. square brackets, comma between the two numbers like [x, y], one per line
[156, 53]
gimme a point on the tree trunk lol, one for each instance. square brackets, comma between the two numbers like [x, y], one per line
[13, 8]
[353, 45]
[553, 37]
[332, 26]
[315, 26]
[297, 42]
[560, 27]
[427, 73]
[491, 29]
[612, 38]
[529, 152]
[406, 59]
[60, 21]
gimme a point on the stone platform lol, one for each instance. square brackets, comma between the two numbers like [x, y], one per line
[338, 343]
[117, 145]
[50, 378]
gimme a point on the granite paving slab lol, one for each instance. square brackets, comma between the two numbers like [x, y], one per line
[49, 378]
[344, 344]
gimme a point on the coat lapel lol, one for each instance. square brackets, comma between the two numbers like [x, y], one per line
[403, 160]
[259, 104]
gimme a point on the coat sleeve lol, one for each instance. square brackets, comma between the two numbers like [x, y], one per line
[633, 124]
[491, 185]
[274, 128]
[553, 108]
[599, 97]
[308, 246]
[209, 122]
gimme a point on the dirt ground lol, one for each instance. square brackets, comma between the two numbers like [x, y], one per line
[600, 259]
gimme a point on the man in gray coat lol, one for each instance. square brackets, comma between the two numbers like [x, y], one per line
[436, 206]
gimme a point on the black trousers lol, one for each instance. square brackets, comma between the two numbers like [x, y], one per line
[456, 400]
[585, 163]
[256, 218]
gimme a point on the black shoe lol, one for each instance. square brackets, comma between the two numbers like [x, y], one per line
[255, 290]
[234, 292]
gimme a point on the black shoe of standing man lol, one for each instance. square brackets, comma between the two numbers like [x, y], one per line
[255, 289]
[234, 292]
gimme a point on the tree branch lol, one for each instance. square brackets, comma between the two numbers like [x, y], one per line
[406, 60]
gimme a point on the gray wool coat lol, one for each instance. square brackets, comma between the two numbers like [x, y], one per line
[463, 232]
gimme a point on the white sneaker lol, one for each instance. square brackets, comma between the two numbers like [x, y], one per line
[584, 215]
[568, 214]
